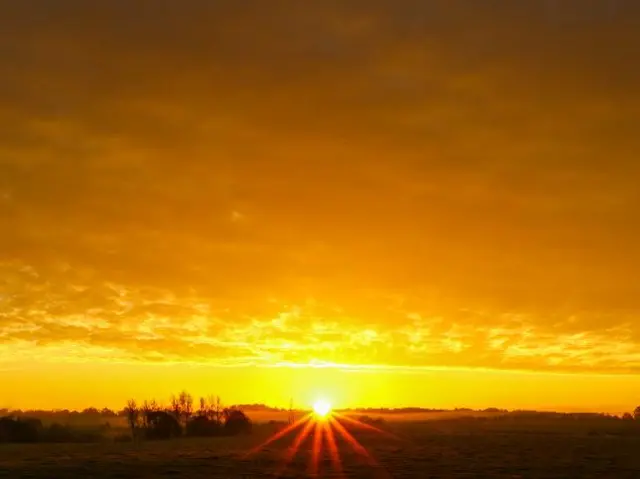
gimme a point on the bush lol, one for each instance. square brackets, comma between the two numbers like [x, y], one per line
[236, 422]
[23, 430]
[28, 430]
[162, 425]
[201, 426]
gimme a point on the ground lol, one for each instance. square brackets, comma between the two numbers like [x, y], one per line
[424, 449]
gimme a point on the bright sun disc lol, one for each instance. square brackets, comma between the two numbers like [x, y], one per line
[322, 408]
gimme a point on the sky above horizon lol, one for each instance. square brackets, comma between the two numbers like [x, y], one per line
[227, 195]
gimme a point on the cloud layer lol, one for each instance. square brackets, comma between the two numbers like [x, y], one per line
[441, 185]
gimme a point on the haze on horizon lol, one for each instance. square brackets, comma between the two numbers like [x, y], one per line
[437, 202]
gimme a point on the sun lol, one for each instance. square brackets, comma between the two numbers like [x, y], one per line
[322, 408]
[323, 425]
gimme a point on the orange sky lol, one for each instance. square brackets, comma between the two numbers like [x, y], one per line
[439, 199]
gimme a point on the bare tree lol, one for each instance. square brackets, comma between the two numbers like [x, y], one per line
[186, 405]
[218, 409]
[176, 407]
[211, 400]
[146, 409]
[204, 408]
[133, 413]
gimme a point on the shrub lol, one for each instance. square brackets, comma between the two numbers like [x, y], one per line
[20, 429]
[201, 426]
[236, 422]
[162, 425]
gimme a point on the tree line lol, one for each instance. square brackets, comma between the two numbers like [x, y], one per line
[635, 416]
[147, 420]
[207, 417]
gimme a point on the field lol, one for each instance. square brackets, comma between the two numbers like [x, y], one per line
[446, 448]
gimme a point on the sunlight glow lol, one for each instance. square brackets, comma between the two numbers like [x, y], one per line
[312, 429]
[322, 408]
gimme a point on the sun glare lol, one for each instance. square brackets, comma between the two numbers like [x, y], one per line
[323, 425]
[322, 408]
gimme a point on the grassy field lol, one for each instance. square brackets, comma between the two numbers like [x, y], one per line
[448, 448]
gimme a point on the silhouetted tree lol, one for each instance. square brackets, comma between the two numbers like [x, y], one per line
[153, 422]
[132, 413]
[145, 409]
[211, 408]
[176, 407]
[162, 425]
[636, 414]
[236, 422]
[186, 406]
[627, 417]
[202, 426]
[216, 408]
[20, 429]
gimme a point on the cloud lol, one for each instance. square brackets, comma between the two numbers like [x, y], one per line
[159, 326]
[426, 185]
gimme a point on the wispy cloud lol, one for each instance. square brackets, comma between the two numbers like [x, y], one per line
[61, 323]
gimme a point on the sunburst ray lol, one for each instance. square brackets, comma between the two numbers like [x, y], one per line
[364, 425]
[317, 447]
[334, 454]
[360, 449]
[353, 442]
[280, 434]
[322, 427]
[293, 449]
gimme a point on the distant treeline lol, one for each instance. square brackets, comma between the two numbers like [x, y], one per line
[28, 429]
[147, 420]
[183, 416]
[66, 415]
[635, 416]
[92, 412]
[415, 410]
